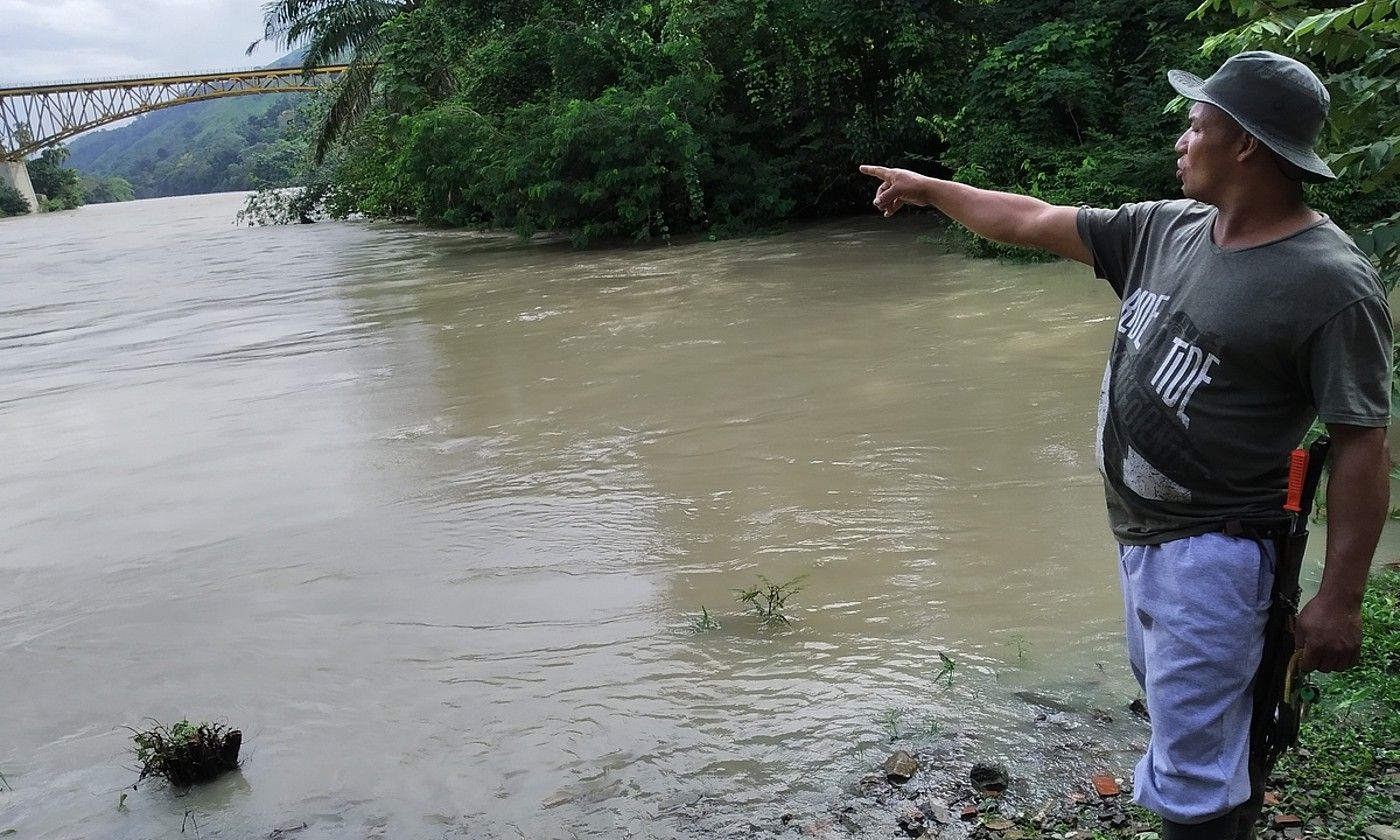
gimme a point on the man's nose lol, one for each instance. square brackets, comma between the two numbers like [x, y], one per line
[1180, 147]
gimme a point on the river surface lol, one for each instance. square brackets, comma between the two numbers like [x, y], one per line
[429, 516]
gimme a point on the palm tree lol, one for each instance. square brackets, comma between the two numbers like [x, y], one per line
[335, 31]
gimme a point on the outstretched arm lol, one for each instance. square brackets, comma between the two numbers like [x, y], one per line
[1005, 217]
[1358, 492]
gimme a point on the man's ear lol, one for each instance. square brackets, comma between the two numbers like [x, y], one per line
[1248, 147]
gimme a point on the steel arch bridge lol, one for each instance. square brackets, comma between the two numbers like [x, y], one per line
[36, 116]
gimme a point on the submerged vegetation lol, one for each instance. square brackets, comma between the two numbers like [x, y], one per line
[769, 600]
[184, 753]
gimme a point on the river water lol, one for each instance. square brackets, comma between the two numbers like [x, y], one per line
[429, 516]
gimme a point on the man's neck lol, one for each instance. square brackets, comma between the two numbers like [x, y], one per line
[1260, 217]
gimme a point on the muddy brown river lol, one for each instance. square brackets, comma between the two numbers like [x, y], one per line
[430, 516]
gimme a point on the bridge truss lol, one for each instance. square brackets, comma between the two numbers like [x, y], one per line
[37, 116]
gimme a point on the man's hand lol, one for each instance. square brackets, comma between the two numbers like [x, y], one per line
[1329, 636]
[898, 187]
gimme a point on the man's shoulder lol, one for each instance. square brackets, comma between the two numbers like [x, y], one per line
[1166, 214]
[1327, 253]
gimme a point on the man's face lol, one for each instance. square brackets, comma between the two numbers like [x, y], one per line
[1206, 151]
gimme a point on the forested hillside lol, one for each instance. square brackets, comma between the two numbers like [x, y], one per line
[224, 144]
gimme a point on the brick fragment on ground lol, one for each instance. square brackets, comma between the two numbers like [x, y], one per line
[1105, 785]
[969, 812]
[1287, 821]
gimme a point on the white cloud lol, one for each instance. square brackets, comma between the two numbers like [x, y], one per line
[57, 40]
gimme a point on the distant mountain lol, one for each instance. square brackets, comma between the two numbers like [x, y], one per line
[238, 143]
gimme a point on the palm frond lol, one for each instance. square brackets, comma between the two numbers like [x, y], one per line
[353, 94]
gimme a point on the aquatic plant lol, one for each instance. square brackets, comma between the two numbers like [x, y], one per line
[703, 622]
[769, 600]
[185, 753]
[945, 673]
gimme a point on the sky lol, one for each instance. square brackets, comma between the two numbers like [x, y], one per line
[66, 40]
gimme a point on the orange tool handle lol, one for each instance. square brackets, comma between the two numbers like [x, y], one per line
[1297, 476]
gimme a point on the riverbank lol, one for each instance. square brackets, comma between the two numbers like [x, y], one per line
[1341, 783]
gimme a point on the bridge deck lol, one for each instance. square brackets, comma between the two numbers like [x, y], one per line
[144, 81]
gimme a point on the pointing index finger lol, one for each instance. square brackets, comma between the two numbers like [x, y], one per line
[875, 171]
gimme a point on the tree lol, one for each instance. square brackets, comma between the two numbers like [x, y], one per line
[58, 183]
[335, 30]
[98, 190]
[12, 202]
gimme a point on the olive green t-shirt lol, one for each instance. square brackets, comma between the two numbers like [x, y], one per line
[1221, 361]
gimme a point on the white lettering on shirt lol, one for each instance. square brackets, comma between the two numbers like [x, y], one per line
[1186, 368]
[1140, 310]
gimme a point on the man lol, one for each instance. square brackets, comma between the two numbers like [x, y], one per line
[1245, 315]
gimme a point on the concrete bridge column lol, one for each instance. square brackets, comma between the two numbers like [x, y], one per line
[15, 174]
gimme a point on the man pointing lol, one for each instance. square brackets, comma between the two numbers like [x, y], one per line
[1245, 315]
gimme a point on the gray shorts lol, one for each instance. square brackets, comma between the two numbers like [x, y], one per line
[1195, 610]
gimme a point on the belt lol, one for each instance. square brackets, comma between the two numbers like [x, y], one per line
[1258, 529]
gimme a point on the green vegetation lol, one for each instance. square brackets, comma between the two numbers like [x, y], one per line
[703, 622]
[769, 600]
[105, 190]
[185, 753]
[945, 671]
[226, 145]
[58, 184]
[12, 203]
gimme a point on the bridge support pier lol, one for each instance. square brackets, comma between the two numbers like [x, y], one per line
[14, 173]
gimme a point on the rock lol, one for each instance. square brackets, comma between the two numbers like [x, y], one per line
[900, 767]
[1106, 786]
[873, 785]
[989, 777]
[1102, 715]
[1270, 798]
[1287, 821]
[936, 812]
[998, 825]
[1139, 708]
[1383, 832]
[969, 812]
[287, 831]
[910, 818]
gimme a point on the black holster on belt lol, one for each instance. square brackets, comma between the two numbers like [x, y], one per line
[1278, 706]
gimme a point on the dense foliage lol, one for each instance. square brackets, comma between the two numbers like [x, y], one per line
[12, 202]
[58, 184]
[1066, 102]
[643, 118]
[106, 190]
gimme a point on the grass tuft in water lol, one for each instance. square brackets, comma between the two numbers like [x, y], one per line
[184, 753]
[945, 673]
[703, 622]
[769, 600]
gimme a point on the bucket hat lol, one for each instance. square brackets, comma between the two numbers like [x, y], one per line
[1273, 97]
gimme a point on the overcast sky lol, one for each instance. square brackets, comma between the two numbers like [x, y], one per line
[62, 40]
